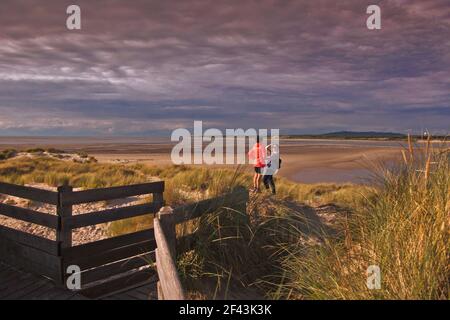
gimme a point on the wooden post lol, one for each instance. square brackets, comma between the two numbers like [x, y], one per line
[63, 234]
[158, 199]
[169, 285]
[166, 218]
[64, 210]
[159, 289]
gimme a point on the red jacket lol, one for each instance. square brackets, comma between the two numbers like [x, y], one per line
[257, 154]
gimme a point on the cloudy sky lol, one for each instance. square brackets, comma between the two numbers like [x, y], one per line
[141, 67]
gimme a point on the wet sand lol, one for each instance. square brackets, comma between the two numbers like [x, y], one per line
[335, 164]
[307, 161]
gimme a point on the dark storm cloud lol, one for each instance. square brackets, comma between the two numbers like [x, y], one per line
[138, 66]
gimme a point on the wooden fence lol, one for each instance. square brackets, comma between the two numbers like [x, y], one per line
[111, 264]
[168, 245]
[25, 250]
[106, 265]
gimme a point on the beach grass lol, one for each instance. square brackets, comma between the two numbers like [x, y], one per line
[279, 248]
[403, 229]
[183, 183]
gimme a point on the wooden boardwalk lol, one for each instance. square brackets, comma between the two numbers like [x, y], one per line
[19, 285]
[16, 284]
[144, 292]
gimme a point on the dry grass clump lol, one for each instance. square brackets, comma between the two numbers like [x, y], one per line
[7, 154]
[54, 172]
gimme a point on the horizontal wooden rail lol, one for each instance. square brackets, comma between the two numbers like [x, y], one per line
[93, 218]
[99, 259]
[105, 245]
[43, 244]
[169, 285]
[36, 217]
[198, 209]
[112, 193]
[120, 284]
[115, 268]
[31, 259]
[29, 193]
[186, 243]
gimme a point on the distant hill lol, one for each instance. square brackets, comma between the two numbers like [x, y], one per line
[363, 134]
[370, 135]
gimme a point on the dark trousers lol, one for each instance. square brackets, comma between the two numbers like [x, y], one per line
[269, 182]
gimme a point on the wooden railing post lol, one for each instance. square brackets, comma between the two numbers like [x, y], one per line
[166, 218]
[158, 199]
[63, 232]
[169, 286]
[159, 290]
[64, 210]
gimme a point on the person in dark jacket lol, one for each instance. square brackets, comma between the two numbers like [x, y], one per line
[273, 163]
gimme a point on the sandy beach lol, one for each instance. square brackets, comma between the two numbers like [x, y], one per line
[306, 161]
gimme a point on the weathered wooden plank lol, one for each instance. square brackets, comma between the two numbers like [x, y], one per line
[30, 259]
[158, 198]
[78, 297]
[40, 218]
[46, 245]
[165, 265]
[7, 277]
[103, 194]
[30, 193]
[51, 292]
[116, 268]
[141, 291]
[135, 294]
[93, 218]
[2, 267]
[86, 262]
[120, 284]
[101, 246]
[23, 280]
[186, 243]
[64, 210]
[61, 293]
[39, 292]
[38, 283]
[195, 210]
[167, 224]
[24, 285]
[159, 291]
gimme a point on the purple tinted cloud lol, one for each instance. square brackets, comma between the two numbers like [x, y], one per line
[141, 67]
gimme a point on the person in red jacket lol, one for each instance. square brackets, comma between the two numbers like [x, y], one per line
[257, 155]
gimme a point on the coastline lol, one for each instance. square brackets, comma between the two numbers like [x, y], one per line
[304, 160]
